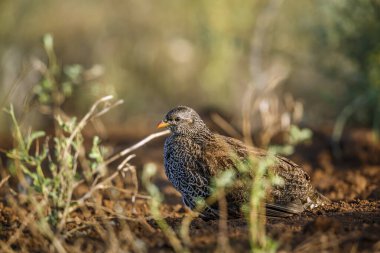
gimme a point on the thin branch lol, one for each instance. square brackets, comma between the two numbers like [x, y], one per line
[91, 114]
[128, 193]
[136, 146]
[4, 180]
[105, 110]
[225, 125]
[259, 77]
[101, 185]
[125, 162]
[223, 240]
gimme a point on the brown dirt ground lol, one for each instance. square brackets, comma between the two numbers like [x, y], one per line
[350, 224]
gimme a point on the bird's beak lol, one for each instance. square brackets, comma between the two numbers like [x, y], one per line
[162, 124]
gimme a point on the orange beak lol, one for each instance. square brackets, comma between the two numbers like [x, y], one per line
[162, 124]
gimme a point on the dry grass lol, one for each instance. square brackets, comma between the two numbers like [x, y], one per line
[63, 162]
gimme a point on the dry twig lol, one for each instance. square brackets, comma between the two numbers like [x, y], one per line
[4, 180]
[136, 146]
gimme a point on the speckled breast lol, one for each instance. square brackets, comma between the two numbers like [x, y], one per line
[181, 158]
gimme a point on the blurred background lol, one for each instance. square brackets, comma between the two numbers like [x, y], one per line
[318, 61]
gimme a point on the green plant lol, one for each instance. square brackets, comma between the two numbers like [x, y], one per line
[154, 203]
[356, 41]
[57, 84]
[262, 181]
[47, 167]
[59, 160]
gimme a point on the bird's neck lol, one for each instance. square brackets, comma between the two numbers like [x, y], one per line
[203, 136]
[199, 136]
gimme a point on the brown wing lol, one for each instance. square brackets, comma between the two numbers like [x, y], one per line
[283, 200]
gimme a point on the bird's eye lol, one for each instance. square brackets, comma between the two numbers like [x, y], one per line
[177, 119]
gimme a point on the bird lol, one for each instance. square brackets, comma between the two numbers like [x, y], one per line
[194, 156]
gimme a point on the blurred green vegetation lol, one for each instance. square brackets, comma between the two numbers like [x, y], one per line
[354, 32]
[156, 55]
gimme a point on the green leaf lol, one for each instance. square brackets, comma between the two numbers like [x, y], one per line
[67, 126]
[225, 179]
[47, 85]
[19, 136]
[33, 136]
[297, 135]
[73, 72]
[40, 173]
[44, 98]
[48, 42]
[67, 89]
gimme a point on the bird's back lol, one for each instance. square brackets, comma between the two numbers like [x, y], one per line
[293, 196]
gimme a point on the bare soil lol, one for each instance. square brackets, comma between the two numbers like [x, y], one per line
[350, 224]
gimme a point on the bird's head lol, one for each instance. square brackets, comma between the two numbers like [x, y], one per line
[183, 120]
